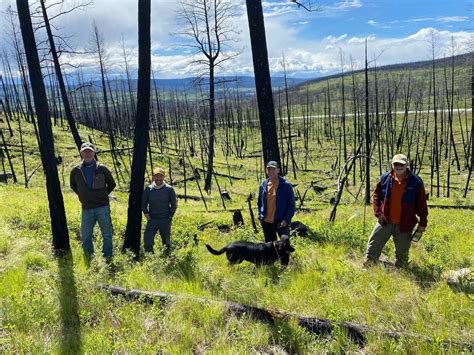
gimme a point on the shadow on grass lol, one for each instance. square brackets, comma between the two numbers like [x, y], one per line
[71, 341]
[426, 276]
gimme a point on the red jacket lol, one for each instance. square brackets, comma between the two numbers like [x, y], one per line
[413, 202]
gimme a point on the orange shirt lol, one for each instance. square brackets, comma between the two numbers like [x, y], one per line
[271, 202]
[396, 194]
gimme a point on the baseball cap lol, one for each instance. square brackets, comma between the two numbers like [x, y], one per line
[159, 171]
[400, 158]
[273, 164]
[87, 145]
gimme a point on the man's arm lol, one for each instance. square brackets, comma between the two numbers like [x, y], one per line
[377, 200]
[109, 179]
[290, 211]
[173, 203]
[259, 200]
[422, 208]
[72, 181]
[145, 198]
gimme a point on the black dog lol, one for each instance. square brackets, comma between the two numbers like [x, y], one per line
[257, 253]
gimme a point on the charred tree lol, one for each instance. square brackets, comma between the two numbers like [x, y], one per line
[55, 198]
[208, 24]
[367, 131]
[263, 83]
[140, 139]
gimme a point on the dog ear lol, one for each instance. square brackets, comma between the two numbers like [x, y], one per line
[290, 248]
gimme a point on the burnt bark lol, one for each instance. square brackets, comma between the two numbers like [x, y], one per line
[55, 198]
[262, 81]
[141, 135]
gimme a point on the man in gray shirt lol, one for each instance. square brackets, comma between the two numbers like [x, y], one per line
[159, 206]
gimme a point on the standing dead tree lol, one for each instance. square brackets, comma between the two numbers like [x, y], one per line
[266, 110]
[140, 139]
[367, 131]
[208, 24]
[53, 187]
[471, 165]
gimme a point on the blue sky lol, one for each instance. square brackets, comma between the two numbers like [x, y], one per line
[312, 43]
[384, 18]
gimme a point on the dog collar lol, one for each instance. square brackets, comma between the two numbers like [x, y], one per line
[276, 250]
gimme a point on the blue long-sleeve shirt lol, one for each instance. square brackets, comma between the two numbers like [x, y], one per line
[159, 203]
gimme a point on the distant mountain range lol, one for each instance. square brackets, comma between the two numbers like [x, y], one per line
[246, 84]
[462, 60]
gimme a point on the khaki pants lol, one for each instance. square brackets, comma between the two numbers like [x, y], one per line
[380, 236]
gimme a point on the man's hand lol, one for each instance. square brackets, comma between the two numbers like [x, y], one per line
[283, 224]
[147, 216]
[421, 229]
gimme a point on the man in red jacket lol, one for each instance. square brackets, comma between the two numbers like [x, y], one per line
[398, 199]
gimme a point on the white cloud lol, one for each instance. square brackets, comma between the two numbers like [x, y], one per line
[359, 40]
[333, 40]
[277, 8]
[305, 55]
[452, 19]
[442, 19]
[347, 4]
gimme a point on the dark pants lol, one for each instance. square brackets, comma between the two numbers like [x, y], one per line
[270, 231]
[152, 227]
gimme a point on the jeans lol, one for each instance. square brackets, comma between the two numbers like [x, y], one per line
[163, 225]
[270, 231]
[88, 219]
[380, 236]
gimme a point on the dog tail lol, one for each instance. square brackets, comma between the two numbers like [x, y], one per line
[215, 252]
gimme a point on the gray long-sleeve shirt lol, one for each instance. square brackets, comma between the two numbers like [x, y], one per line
[159, 203]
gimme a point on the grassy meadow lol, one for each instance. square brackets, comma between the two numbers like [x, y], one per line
[56, 305]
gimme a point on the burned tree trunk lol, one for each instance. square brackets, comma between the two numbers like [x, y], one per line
[471, 165]
[367, 132]
[262, 81]
[212, 128]
[53, 187]
[140, 140]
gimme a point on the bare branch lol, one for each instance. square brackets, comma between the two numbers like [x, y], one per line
[307, 5]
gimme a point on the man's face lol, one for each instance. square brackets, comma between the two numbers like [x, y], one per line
[400, 169]
[88, 155]
[158, 179]
[272, 172]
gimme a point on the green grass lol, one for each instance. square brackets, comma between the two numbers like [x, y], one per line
[57, 305]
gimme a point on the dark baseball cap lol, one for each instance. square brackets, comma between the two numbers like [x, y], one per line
[273, 164]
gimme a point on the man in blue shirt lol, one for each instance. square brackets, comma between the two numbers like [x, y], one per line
[276, 203]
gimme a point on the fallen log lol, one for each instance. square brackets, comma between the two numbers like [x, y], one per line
[223, 175]
[191, 197]
[320, 326]
[177, 182]
[452, 207]
[316, 325]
